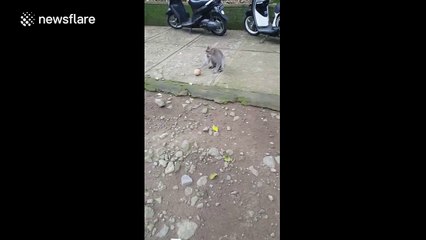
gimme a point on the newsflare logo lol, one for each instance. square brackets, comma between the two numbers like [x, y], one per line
[29, 19]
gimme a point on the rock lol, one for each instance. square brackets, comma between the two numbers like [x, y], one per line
[206, 129]
[217, 204]
[228, 128]
[163, 135]
[186, 229]
[200, 205]
[269, 161]
[228, 177]
[277, 159]
[160, 102]
[273, 115]
[272, 234]
[185, 180]
[162, 163]
[273, 170]
[232, 114]
[216, 134]
[236, 118]
[188, 191]
[202, 181]
[177, 166]
[229, 152]
[271, 197]
[160, 186]
[175, 187]
[213, 152]
[253, 170]
[194, 200]
[179, 154]
[184, 105]
[191, 169]
[158, 200]
[150, 226]
[204, 110]
[210, 131]
[185, 146]
[149, 201]
[163, 232]
[234, 192]
[170, 168]
[172, 219]
[149, 212]
[278, 117]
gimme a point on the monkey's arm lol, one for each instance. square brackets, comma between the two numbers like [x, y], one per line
[206, 62]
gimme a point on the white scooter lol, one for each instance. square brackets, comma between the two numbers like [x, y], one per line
[257, 19]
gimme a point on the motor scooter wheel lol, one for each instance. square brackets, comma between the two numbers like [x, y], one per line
[250, 26]
[220, 31]
[173, 21]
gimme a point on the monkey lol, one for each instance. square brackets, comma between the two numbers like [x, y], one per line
[216, 58]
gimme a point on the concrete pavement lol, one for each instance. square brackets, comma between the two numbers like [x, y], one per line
[252, 67]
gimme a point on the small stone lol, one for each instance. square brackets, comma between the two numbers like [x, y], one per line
[186, 229]
[170, 168]
[206, 129]
[179, 154]
[273, 170]
[277, 159]
[202, 181]
[149, 212]
[236, 118]
[149, 201]
[186, 180]
[229, 152]
[272, 234]
[185, 145]
[271, 197]
[163, 232]
[216, 134]
[269, 161]
[228, 177]
[278, 117]
[232, 114]
[204, 110]
[160, 102]
[228, 128]
[162, 163]
[253, 170]
[194, 200]
[214, 152]
[163, 135]
[187, 101]
[150, 226]
[217, 204]
[188, 191]
[175, 187]
[234, 192]
[200, 205]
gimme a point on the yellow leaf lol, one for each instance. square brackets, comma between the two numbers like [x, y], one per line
[212, 176]
[215, 128]
[227, 159]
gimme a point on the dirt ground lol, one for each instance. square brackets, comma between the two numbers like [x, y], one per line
[242, 201]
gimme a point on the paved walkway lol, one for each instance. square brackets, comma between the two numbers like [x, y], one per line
[252, 66]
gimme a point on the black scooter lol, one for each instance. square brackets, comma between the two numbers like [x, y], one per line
[257, 19]
[207, 14]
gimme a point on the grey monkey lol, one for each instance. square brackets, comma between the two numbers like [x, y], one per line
[216, 58]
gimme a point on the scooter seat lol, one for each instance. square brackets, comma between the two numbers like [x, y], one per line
[197, 3]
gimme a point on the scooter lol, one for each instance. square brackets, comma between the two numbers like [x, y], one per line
[207, 14]
[257, 19]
